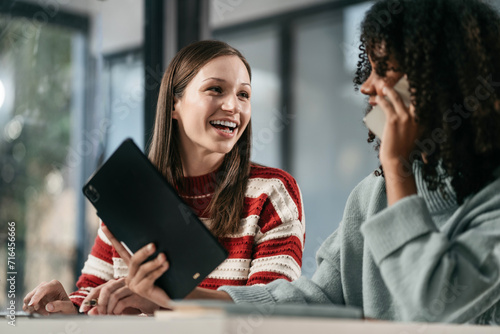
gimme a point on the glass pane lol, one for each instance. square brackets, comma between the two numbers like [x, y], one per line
[125, 105]
[259, 46]
[62, 106]
[38, 184]
[330, 151]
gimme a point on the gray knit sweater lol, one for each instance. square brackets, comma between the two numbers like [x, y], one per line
[423, 259]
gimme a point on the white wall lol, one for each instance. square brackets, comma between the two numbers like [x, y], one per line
[228, 12]
[115, 25]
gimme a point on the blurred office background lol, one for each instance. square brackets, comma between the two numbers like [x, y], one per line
[79, 76]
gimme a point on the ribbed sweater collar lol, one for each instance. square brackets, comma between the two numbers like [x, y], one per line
[199, 185]
[437, 200]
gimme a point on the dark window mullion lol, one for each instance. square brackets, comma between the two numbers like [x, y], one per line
[285, 55]
[153, 62]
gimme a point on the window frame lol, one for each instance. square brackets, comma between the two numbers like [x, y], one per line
[284, 23]
[81, 24]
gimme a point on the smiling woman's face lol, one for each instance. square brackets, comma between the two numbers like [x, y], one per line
[214, 110]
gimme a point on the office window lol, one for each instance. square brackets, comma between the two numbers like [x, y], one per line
[124, 82]
[71, 87]
[327, 151]
[331, 154]
[260, 48]
[42, 89]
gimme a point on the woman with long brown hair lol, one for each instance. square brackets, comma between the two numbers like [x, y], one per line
[201, 144]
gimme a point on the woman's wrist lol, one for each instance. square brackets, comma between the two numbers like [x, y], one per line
[400, 183]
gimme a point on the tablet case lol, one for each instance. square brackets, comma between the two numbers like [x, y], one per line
[139, 206]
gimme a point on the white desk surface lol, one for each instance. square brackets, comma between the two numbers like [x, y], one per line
[221, 324]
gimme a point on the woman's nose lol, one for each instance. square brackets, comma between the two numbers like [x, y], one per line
[230, 103]
[367, 87]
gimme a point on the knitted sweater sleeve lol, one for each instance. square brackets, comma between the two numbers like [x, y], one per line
[279, 242]
[98, 268]
[324, 287]
[450, 274]
[337, 279]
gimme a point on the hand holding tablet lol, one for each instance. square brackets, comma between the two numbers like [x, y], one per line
[139, 207]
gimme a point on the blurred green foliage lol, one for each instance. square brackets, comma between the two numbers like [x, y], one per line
[38, 57]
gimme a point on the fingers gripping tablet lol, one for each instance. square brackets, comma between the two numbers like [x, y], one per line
[139, 207]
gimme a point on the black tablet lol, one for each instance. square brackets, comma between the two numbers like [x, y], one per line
[139, 206]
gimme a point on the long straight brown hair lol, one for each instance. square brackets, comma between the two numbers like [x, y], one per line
[225, 208]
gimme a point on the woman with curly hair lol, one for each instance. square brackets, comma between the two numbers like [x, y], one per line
[420, 239]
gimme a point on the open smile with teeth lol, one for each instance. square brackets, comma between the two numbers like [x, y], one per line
[224, 126]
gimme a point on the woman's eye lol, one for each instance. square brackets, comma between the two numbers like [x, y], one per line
[245, 95]
[216, 89]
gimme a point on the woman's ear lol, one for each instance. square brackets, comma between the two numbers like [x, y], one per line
[176, 108]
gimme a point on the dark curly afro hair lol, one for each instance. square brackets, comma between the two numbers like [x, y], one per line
[449, 50]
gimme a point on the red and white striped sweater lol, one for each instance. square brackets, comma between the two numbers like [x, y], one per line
[268, 245]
